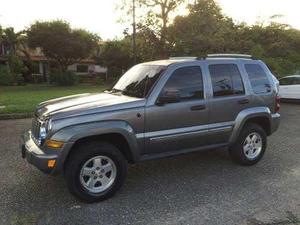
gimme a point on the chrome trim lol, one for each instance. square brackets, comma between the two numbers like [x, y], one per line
[210, 128]
[177, 135]
[221, 129]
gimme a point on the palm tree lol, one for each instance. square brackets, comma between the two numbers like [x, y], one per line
[12, 40]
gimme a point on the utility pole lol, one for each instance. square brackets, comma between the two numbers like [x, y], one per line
[134, 33]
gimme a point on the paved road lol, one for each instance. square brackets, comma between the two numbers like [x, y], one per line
[200, 188]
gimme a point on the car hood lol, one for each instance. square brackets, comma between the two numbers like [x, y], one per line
[84, 104]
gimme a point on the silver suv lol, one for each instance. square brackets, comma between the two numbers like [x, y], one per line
[156, 109]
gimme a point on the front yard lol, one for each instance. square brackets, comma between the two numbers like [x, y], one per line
[23, 99]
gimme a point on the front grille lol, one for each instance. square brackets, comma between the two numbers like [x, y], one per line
[35, 128]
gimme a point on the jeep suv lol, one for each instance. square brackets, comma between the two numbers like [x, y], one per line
[156, 109]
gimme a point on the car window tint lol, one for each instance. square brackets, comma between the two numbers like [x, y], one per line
[258, 78]
[296, 81]
[187, 81]
[286, 81]
[226, 80]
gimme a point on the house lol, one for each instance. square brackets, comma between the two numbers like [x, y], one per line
[41, 63]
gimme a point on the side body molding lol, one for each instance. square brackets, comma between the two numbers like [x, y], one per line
[245, 115]
[71, 134]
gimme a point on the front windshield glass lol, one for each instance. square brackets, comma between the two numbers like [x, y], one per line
[138, 81]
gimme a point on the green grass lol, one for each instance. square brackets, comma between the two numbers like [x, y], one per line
[24, 99]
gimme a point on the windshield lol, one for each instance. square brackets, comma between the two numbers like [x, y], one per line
[138, 81]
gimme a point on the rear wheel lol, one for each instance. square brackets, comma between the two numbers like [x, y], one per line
[95, 171]
[250, 145]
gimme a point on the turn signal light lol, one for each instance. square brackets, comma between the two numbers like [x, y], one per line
[51, 163]
[54, 144]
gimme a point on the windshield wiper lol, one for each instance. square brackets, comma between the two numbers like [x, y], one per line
[114, 90]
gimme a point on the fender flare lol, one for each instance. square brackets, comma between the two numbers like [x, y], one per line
[69, 135]
[244, 116]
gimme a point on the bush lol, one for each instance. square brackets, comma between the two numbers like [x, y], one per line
[67, 78]
[19, 79]
[6, 77]
[100, 79]
[15, 64]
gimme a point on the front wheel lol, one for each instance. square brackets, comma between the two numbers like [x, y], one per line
[250, 145]
[95, 171]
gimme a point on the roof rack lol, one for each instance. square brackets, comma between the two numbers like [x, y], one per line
[242, 56]
[238, 56]
[184, 57]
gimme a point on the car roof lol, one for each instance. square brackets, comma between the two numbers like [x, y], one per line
[178, 60]
[291, 76]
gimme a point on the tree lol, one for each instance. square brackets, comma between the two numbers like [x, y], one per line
[147, 42]
[62, 44]
[157, 20]
[117, 56]
[12, 40]
[166, 7]
[204, 30]
[1, 33]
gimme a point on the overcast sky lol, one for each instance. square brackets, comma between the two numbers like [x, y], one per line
[100, 16]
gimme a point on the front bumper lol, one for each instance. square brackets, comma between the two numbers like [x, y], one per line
[35, 156]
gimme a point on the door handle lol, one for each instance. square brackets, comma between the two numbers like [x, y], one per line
[243, 101]
[198, 107]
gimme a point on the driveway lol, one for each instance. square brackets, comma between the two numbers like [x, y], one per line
[199, 188]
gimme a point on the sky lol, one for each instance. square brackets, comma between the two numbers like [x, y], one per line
[101, 16]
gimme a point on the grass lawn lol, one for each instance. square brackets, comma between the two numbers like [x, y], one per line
[23, 99]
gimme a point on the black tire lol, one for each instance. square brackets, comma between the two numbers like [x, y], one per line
[80, 156]
[237, 152]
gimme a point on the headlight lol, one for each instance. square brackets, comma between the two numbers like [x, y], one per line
[44, 130]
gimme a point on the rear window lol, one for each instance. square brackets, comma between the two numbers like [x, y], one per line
[258, 79]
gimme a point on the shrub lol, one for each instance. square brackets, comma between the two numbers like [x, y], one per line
[6, 77]
[15, 64]
[67, 78]
[100, 79]
[19, 79]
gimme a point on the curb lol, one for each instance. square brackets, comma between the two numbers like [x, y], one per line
[14, 116]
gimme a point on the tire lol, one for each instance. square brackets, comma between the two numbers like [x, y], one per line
[104, 168]
[241, 151]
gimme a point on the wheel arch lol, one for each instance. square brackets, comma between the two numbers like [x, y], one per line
[257, 115]
[115, 139]
[118, 133]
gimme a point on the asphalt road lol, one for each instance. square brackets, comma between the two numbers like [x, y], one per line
[199, 188]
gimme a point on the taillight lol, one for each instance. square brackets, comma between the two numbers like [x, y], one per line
[277, 103]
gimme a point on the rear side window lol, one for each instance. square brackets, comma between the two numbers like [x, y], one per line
[226, 80]
[258, 79]
[296, 81]
[286, 81]
[187, 81]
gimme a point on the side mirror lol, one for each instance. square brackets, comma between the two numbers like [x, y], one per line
[168, 97]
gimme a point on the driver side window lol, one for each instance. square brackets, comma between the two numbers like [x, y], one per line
[187, 82]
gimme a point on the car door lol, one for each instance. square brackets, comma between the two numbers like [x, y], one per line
[228, 99]
[178, 125]
[286, 87]
[296, 88]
